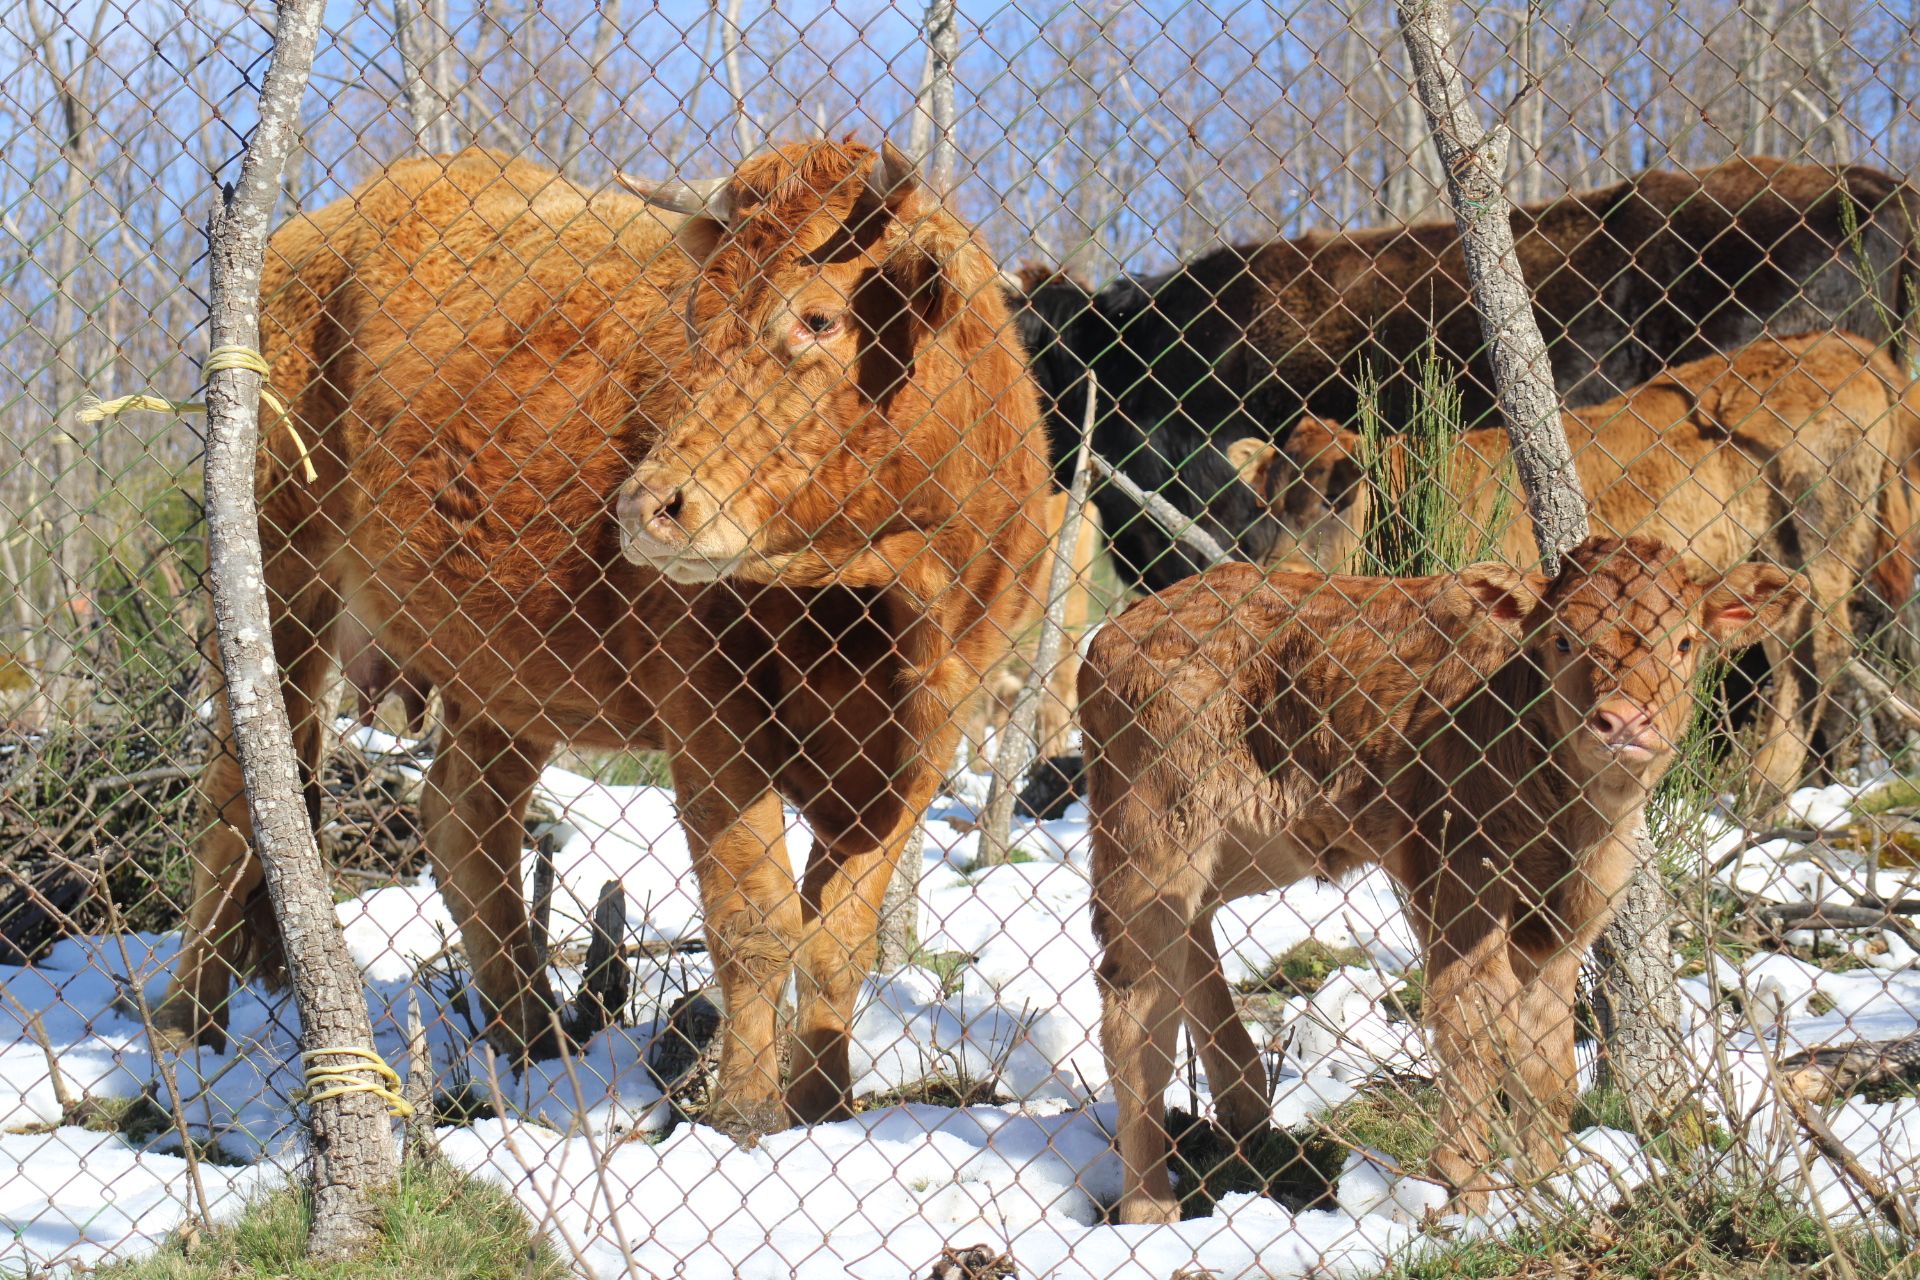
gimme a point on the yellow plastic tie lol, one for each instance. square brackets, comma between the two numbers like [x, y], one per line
[332, 1082]
[231, 356]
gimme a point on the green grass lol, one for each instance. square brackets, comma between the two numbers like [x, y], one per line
[1303, 967]
[1015, 857]
[1680, 1228]
[950, 967]
[1401, 1119]
[437, 1224]
[1901, 793]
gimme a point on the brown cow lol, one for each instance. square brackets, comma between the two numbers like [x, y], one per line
[1488, 737]
[1789, 450]
[830, 478]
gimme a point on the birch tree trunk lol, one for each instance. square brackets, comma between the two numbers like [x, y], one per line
[1020, 740]
[351, 1147]
[427, 106]
[70, 479]
[1638, 979]
[933, 116]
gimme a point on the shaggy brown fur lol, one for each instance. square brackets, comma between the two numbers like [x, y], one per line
[1790, 450]
[1487, 737]
[847, 476]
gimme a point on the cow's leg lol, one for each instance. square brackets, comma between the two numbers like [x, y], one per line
[1543, 1079]
[1234, 1071]
[1471, 991]
[473, 809]
[1144, 922]
[736, 832]
[846, 883]
[226, 874]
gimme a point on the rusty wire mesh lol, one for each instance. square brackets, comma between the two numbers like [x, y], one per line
[669, 564]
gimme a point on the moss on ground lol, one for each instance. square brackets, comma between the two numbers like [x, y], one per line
[1678, 1228]
[436, 1224]
[1302, 968]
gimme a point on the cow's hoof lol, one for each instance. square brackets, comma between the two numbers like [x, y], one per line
[177, 1025]
[747, 1120]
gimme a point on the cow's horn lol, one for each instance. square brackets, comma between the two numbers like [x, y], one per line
[892, 177]
[706, 197]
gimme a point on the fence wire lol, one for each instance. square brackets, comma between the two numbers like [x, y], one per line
[917, 649]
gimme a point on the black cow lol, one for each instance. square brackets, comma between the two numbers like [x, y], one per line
[1627, 280]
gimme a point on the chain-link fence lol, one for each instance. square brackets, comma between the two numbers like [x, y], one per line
[718, 454]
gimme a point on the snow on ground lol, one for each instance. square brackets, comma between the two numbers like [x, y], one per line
[878, 1195]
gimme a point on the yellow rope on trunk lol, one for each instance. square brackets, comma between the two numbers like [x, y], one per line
[225, 357]
[334, 1081]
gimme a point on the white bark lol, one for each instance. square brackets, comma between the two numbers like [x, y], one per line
[428, 107]
[933, 116]
[351, 1151]
[1019, 739]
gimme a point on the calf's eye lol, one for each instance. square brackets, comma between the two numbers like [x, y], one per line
[1686, 646]
[1563, 644]
[819, 322]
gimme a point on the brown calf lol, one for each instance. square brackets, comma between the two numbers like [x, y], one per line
[1790, 450]
[1487, 737]
[759, 482]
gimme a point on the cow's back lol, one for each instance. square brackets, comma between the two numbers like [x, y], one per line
[1305, 694]
[467, 346]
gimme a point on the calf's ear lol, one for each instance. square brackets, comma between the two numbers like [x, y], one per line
[1498, 592]
[1252, 460]
[1749, 601]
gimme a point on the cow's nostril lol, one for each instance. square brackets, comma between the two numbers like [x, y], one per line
[671, 506]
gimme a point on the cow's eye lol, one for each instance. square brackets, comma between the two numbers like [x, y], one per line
[1563, 644]
[1686, 645]
[819, 323]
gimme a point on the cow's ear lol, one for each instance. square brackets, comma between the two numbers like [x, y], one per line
[1500, 593]
[1750, 601]
[1252, 460]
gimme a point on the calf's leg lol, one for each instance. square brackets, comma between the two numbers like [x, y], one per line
[1471, 989]
[473, 808]
[1143, 925]
[1235, 1073]
[1543, 1082]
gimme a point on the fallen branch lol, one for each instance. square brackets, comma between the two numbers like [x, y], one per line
[1877, 686]
[1832, 1071]
[608, 981]
[1164, 513]
[1895, 1209]
[1826, 916]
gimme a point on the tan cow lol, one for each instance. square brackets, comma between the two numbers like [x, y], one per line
[1790, 450]
[1487, 737]
[801, 393]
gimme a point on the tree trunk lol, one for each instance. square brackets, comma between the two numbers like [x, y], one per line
[351, 1149]
[1636, 955]
[900, 910]
[427, 107]
[1019, 739]
[70, 468]
[932, 136]
[730, 35]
